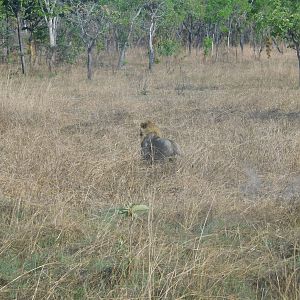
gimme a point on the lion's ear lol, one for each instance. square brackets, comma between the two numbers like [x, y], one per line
[144, 125]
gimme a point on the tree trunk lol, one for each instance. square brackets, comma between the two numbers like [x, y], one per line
[212, 45]
[89, 61]
[21, 48]
[228, 39]
[242, 43]
[51, 58]
[190, 42]
[122, 56]
[151, 57]
[236, 37]
[277, 46]
[261, 47]
[116, 39]
[32, 50]
[52, 28]
[298, 56]
[151, 47]
[190, 34]
[125, 44]
[7, 37]
[198, 38]
[217, 42]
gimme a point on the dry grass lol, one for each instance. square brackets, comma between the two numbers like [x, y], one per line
[223, 221]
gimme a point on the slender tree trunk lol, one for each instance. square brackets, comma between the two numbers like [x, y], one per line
[122, 56]
[90, 60]
[32, 50]
[51, 58]
[151, 56]
[261, 47]
[216, 42]
[228, 38]
[298, 56]
[228, 41]
[189, 28]
[190, 39]
[198, 38]
[21, 47]
[52, 28]
[7, 37]
[3, 57]
[151, 47]
[277, 46]
[236, 43]
[254, 50]
[242, 43]
[125, 45]
[212, 45]
[116, 39]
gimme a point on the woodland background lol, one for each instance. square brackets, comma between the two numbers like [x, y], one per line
[61, 32]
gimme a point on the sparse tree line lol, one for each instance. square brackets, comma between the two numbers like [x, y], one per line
[61, 31]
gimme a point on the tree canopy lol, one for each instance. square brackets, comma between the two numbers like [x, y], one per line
[60, 29]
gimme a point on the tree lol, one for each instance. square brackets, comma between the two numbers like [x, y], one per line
[228, 17]
[90, 19]
[124, 18]
[4, 32]
[189, 11]
[283, 20]
[50, 10]
[16, 7]
[258, 19]
[285, 23]
[159, 14]
[154, 12]
[33, 23]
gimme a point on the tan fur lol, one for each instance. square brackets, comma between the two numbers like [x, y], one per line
[154, 147]
[149, 127]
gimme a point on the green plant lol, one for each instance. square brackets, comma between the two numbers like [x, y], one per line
[207, 45]
[133, 210]
[168, 47]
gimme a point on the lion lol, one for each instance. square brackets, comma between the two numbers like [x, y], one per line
[149, 127]
[154, 147]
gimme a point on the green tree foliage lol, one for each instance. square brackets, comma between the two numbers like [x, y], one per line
[207, 45]
[281, 18]
[16, 9]
[125, 18]
[168, 47]
[90, 20]
[67, 27]
[284, 21]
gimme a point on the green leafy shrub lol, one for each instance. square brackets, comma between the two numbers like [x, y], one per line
[168, 47]
[207, 45]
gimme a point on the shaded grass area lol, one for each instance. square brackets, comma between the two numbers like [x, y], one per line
[223, 221]
[254, 254]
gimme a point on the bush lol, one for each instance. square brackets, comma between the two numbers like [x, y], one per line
[168, 47]
[207, 45]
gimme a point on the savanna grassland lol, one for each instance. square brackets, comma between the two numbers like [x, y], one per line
[223, 221]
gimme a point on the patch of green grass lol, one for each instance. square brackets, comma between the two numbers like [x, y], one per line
[9, 266]
[235, 288]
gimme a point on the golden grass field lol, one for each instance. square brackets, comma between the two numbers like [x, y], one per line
[223, 221]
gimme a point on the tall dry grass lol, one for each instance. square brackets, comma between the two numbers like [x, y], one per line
[224, 221]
